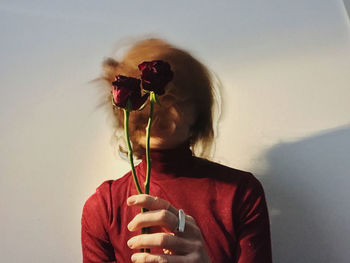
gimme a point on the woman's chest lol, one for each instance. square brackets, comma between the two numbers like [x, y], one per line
[212, 212]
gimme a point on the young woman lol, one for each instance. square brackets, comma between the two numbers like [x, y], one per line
[226, 217]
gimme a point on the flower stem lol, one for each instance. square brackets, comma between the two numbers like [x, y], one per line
[130, 151]
[131, 159]
[146, 230]
[148, 135]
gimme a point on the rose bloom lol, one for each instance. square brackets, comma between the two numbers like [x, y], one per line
[155, 75]
[127, 88]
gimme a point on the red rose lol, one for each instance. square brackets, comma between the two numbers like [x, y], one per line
[126, 88]
[155, 75]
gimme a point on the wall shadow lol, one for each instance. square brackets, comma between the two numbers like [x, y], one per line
[307, 184]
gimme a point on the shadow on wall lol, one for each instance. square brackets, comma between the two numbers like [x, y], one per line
[307, 185]
[347, 6]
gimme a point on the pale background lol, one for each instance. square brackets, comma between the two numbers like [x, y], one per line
[285, 68]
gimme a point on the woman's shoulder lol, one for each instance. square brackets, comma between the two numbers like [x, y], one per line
[224, 174]
[105, 187]
[102, 197]
[221, 170]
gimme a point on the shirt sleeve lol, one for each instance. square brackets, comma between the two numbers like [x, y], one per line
[96, 246]
[254, 226]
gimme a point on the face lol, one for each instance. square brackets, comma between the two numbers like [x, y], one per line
[172, 127]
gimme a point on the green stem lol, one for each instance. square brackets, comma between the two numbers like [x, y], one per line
[146, 230]
[148, 135]
[130, 151]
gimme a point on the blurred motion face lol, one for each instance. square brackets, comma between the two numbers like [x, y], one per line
[186, 107]
[172, 126]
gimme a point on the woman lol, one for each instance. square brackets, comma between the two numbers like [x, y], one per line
[226, 218]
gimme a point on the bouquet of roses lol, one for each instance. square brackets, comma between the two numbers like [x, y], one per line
[127, 94]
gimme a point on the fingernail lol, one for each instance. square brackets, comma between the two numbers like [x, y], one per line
[131, 200]
[130, 243]
[130, 226]
[133, 257]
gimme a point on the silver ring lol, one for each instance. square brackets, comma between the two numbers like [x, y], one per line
[182, 221]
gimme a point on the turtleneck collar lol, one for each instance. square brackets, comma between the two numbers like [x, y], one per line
[169, 161]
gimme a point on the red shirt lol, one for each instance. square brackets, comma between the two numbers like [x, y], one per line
[228, 205]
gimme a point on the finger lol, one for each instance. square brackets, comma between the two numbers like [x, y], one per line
[163, 218]
[173, 243]
[164, 221]
[145, 257]
[151, 203]
[156, 203]
[192, 228]
[190, 219]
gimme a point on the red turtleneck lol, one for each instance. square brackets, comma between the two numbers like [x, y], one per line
[228, 205]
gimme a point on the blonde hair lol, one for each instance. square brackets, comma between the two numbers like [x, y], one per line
[192, 81]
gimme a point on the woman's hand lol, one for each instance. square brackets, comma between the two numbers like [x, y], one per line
[187, 246]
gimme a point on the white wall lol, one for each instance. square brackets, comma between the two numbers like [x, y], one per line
[284, 66]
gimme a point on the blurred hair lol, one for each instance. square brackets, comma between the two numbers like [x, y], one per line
[192, 83]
